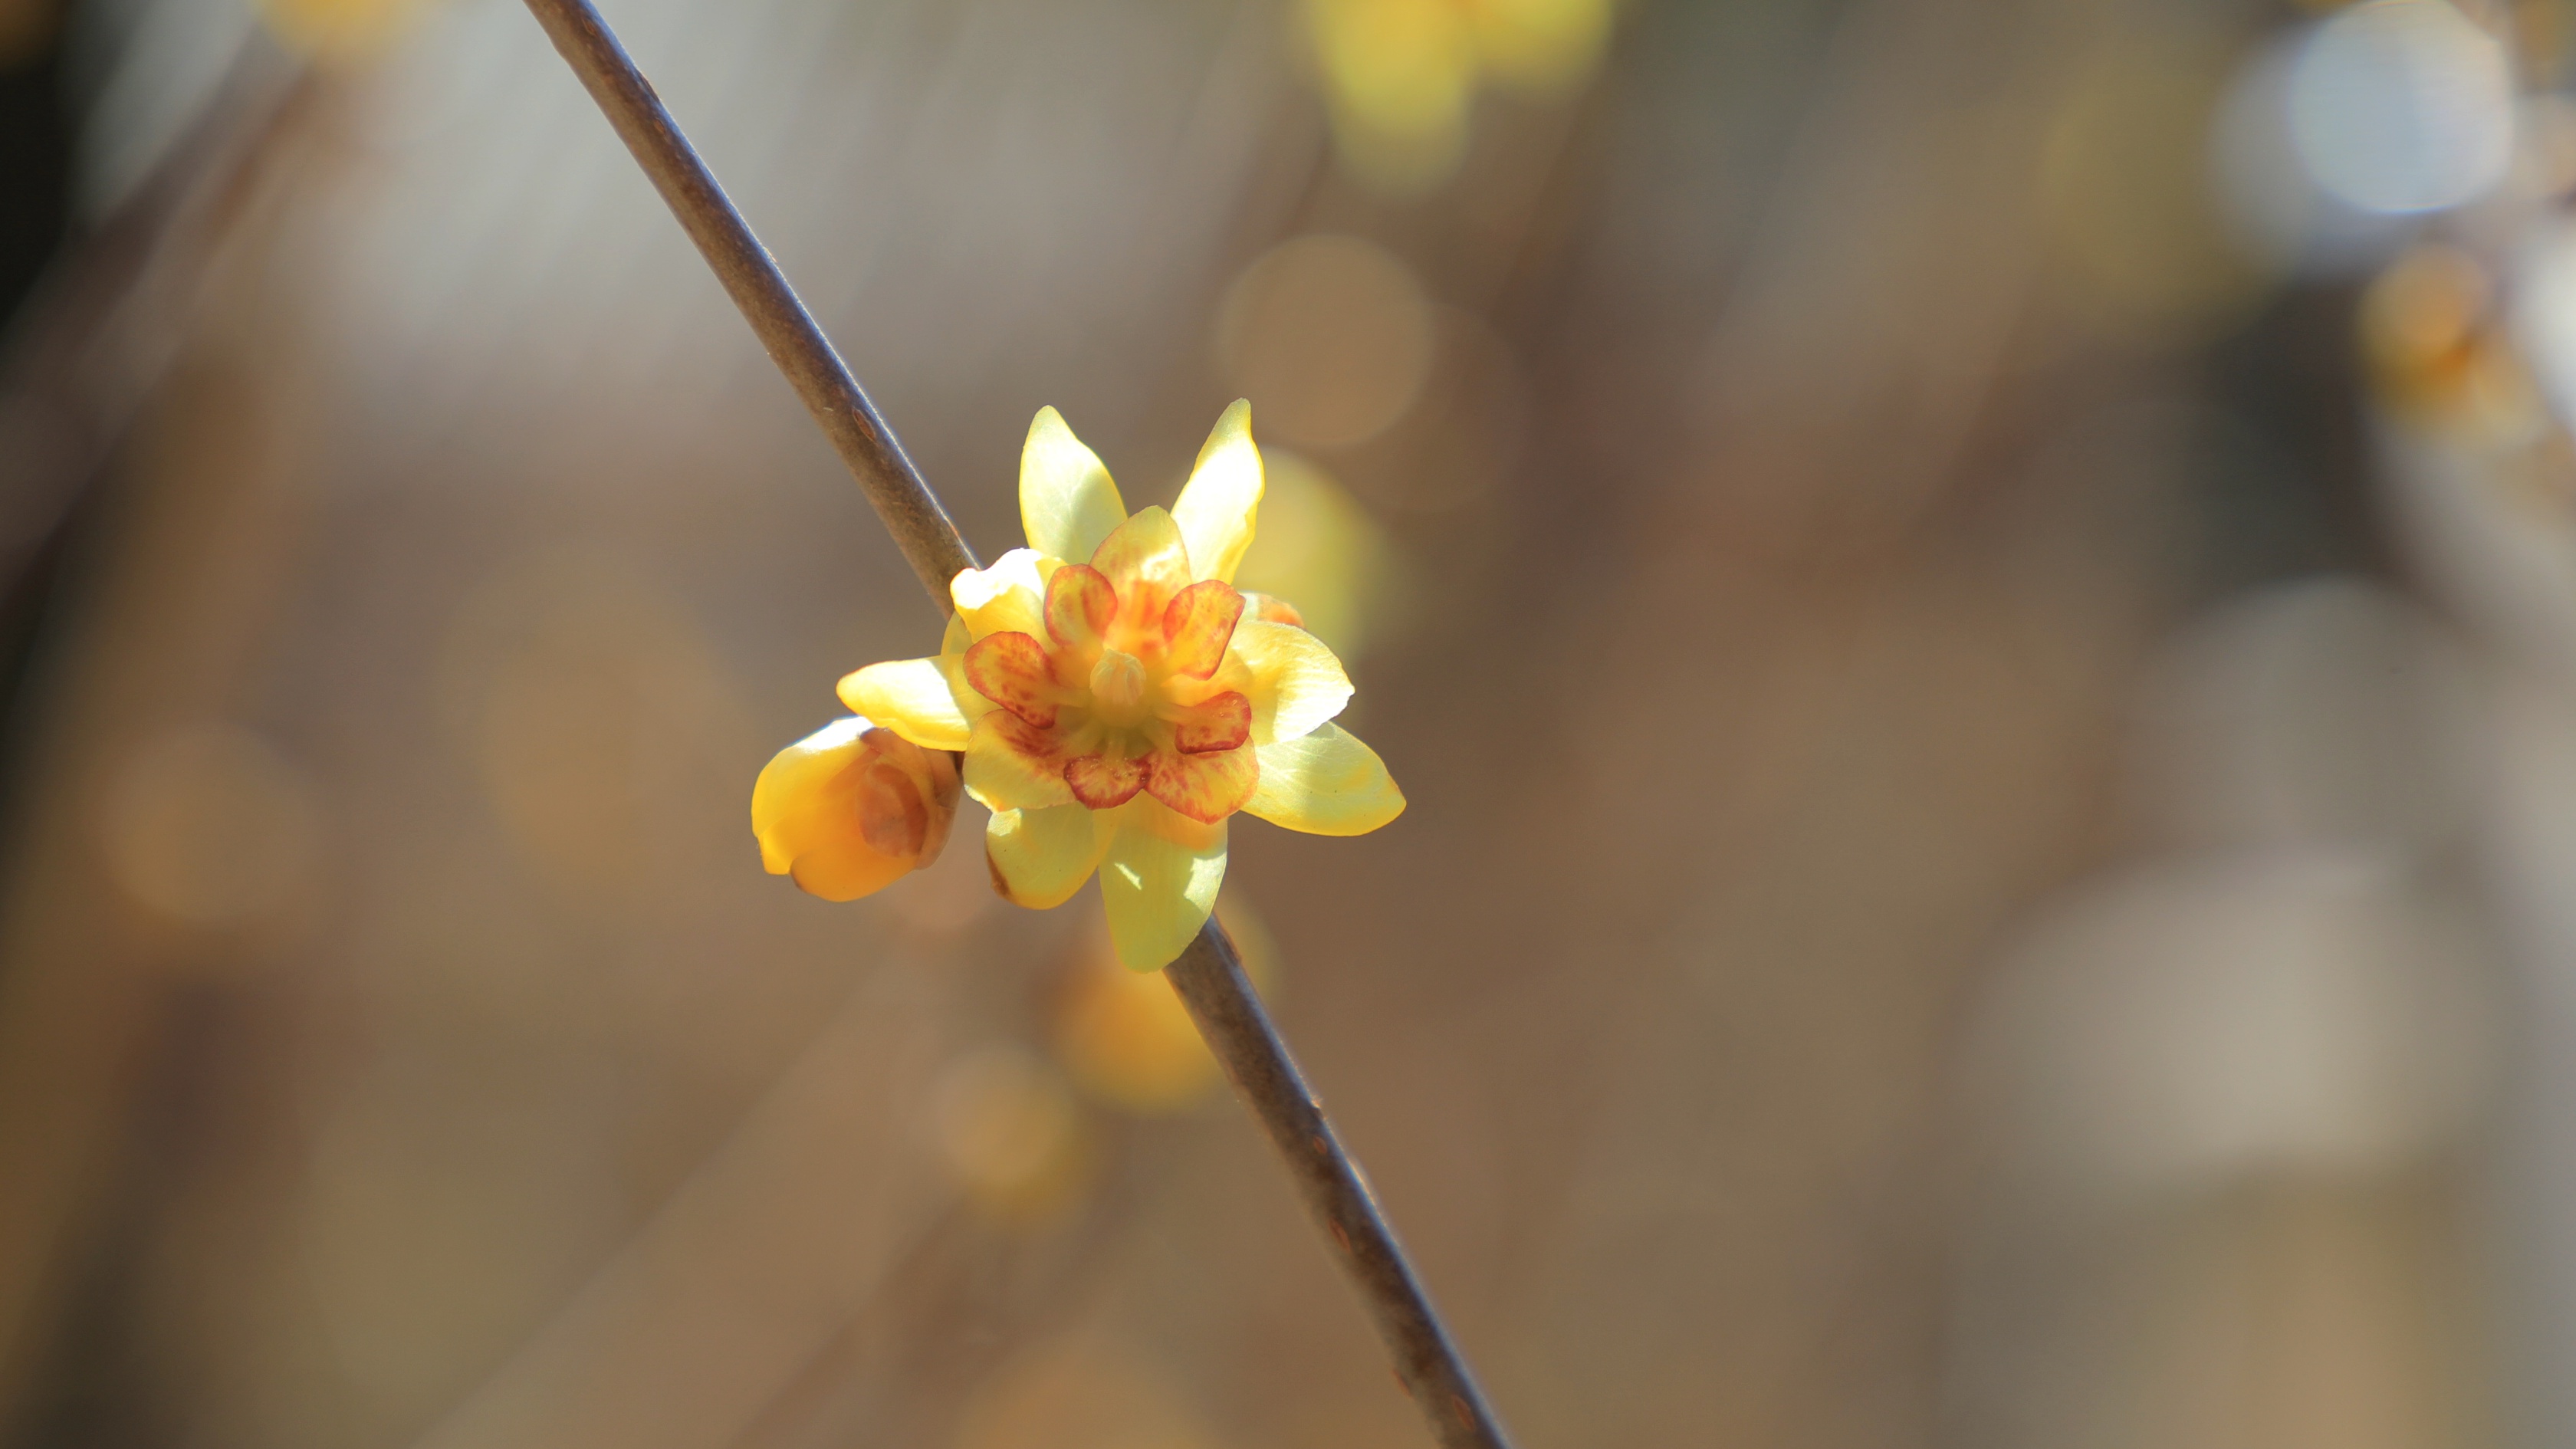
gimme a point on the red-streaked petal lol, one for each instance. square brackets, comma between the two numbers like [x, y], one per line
[1014, 765]
[1079, 605]
[1223, 722]
[1103, 781]
[1145, 561]
[1010, 669]
[1206, 788]
[1197, 624]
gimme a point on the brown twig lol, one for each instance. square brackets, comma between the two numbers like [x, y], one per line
[911, 512]
[1209, 975]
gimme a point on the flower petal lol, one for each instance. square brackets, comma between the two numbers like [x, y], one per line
[1217, 506]
[1067, 503]
[935, 771]
[1196, 626]
[1039, 858]
[1159, 881]
[1104, 781]
[1208, 787]
[1006, 598]
[789, 784]
[1219, 722]
[893, 817]
[846, 872]
[1145, 561]
[1079, 605]
[912, 697]
[1325, 782]
[1273, 608]
[1291, 677]
[1013, 765]
[1011, 670]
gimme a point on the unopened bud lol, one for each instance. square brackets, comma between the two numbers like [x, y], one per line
[851, 807]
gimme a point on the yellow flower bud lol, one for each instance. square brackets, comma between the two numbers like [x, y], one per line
[852, 807]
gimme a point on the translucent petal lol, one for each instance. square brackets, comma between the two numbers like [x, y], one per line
[1291, 677]
[1197, 625]
[1217, 507]
[1325, 782]
[1159, 881]
[1039, 858]
[1104, 782]
[1079, 605]
[1219, 722]
[1145, 561]
[1067, 503]
[1009, 597]
[1206, 787]
[915, 698]
[1012, 766]
[1011, 670]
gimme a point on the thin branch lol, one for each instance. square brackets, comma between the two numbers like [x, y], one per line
[903, 500]
[1209, 975]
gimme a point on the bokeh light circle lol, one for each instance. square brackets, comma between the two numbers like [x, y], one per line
[2401, 106]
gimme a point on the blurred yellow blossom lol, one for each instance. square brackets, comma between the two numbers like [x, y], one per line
[1115, 713]
[1011, 1135]
[1124, 1036]
[2438, 348]
[341, 31]
[1400, 74]
[852, 807]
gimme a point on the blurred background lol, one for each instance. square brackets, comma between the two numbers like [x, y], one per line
[1975, 599]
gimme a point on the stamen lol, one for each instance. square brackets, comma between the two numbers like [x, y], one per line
[1118, 685]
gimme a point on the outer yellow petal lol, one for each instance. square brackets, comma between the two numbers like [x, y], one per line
[918, 699]
[1218, 505]
[847, 872]
[1009, 597]
[1291, 677]
[1039, 858]
[1159, 882]
[1002, 775]
[794, 776]
[1325, 782]
[1067, 503]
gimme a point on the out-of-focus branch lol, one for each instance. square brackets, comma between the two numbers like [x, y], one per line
[95, 335]
[1209, 975]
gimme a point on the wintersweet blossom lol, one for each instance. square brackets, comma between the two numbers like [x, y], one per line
[1117, 701]
[852, 808]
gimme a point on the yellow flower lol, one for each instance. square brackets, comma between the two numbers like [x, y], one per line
[851, 808]
[1115, 712]
[1401, 73]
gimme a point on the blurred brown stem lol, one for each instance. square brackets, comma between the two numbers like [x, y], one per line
[1209, 975]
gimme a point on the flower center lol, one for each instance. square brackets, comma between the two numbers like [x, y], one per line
[1118, 686]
